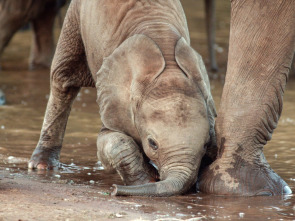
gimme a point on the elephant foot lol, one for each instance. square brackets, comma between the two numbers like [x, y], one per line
[241, 178]
[44, 158]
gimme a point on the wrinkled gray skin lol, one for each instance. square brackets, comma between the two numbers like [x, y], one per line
[14, 14]
[261, 49]
[152, 90]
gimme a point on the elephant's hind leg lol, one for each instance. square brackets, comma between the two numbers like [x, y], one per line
[119, 152]
[69, 72]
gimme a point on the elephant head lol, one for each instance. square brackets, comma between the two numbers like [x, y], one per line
[168, 111]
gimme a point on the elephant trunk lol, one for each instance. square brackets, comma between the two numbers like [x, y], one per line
[173, 185]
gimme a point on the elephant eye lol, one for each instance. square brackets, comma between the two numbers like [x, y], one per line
[153, 144]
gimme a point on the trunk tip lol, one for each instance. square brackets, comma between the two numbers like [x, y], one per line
[115, 190]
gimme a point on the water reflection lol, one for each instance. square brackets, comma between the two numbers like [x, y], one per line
[21, 120]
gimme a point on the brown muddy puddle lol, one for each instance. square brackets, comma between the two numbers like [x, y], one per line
[21, 120]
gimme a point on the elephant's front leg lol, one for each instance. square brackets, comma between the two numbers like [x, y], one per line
[46, 155]
[262, 41]
[69, 72]
[119, 152]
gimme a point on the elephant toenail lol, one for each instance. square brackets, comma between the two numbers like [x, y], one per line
[287, 190]
[264, 193]
[31, 165]
[42, 166]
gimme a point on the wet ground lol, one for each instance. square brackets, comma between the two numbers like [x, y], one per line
[79, 190]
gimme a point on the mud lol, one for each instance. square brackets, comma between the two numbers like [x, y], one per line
[80, 189]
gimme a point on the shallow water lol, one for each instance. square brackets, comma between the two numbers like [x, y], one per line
[21, 120]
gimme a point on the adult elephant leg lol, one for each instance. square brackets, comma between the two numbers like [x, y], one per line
[69, 72]
[119, 152]
[7, 33]
[262, 41]
[12, 18]
[210, 26]
[42, 48]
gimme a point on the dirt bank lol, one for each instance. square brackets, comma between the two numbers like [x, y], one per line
[23, 198]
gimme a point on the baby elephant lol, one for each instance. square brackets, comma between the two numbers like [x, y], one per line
[152, 89]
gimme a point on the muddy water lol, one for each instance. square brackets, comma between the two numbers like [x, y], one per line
[21, 120]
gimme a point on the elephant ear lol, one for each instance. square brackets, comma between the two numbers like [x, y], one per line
[193, 66]
[123, 78]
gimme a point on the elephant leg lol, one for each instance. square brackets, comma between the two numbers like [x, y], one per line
[42, 48]
[210, 26]
[119, 152]
[11, 20]
[262, 40]
[7, 33]
[69, 72]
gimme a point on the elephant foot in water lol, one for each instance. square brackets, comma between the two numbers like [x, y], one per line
[241, 178]
[45, 158]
